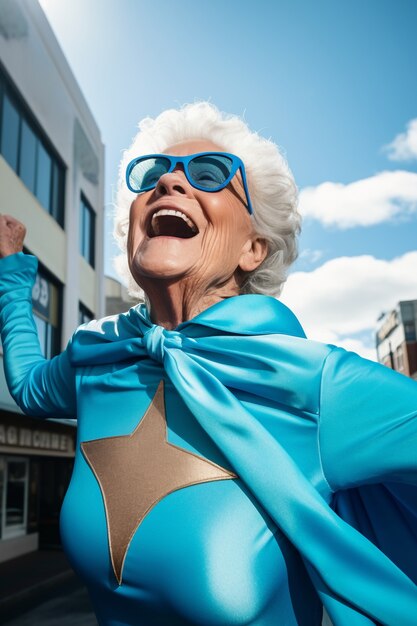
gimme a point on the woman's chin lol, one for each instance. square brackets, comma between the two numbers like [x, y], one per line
[161, 269]
[165, 257]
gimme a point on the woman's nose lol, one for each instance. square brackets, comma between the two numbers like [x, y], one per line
[172, 183]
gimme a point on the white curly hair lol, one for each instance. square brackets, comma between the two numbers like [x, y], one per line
[271, 186]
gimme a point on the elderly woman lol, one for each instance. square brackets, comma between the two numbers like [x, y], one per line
[228, 470]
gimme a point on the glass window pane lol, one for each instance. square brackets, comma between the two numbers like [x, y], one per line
[15, 503]
[27, 156]
[10, 132]
[2, 468]
[43, 177]
[17, 471]
[15, 497]
[87, 233]
[407, 310]
[48, 341]
[57, 198]
[41, 297]
[81, 229]
[84, 314]
[410, 331]
[46, 299]
[34, 488]
[42, 332]
[92, 238]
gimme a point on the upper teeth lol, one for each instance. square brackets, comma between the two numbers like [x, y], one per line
[172, 212]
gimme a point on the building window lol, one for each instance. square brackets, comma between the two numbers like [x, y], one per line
[410, 331]
[28, 156]
[387, 362]
[10, 132]
[28, 152]
[407, 311]
[87, 231]
[46, 302]
[399, 359]
[2, 476]
[58, 192]
[84, 314]
[14, 486]
[43, 176]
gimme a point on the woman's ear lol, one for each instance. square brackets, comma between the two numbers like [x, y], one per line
[253, 253]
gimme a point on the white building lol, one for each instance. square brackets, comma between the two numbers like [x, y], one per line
[396, 338]
[51, 178]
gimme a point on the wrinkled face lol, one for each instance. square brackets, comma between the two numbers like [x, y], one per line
[204, 239]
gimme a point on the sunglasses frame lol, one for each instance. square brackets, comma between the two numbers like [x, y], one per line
[237, 164]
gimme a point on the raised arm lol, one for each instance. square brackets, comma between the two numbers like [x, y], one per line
[39, 386]
[368, 423]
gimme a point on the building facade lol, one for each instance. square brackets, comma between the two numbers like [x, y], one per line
[51, 179]
[396, 338]
[117, 297]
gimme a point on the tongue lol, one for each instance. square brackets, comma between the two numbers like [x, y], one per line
[172, 226]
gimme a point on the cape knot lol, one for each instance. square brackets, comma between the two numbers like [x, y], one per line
[157, 339]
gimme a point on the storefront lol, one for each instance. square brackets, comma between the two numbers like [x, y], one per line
[36, 459]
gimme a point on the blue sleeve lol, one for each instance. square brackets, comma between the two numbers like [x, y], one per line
[39, 386]
[368, 422]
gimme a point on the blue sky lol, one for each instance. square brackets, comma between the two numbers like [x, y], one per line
[333, 83]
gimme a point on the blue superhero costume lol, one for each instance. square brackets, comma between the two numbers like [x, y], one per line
[272, 475]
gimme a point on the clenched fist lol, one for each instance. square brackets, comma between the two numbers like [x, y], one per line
[12, 234]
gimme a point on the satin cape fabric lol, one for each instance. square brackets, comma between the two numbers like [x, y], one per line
[356, 581]
[360, 554]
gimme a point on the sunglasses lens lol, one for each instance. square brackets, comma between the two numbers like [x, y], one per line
[146, 173]
[210, 171]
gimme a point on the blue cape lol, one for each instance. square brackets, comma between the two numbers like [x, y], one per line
[360, 545]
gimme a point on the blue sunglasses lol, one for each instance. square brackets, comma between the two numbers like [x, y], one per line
[207, 171]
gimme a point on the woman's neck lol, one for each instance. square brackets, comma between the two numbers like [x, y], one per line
[172, 303]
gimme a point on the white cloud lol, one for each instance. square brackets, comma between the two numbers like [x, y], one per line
[346, 295]
[404, 146]
[362, 203]
[356, 345]
[310, 255]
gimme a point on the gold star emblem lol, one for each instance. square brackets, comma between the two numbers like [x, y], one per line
[136, 471]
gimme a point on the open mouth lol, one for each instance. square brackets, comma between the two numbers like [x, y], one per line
[171, 223]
